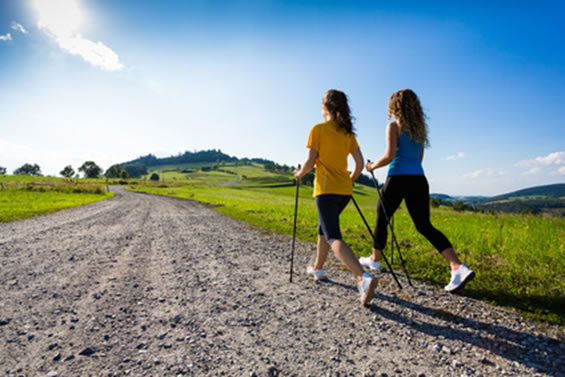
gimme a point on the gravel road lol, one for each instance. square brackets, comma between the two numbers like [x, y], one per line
[144, 285]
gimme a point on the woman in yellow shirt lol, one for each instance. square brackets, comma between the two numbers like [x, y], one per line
[329, 145]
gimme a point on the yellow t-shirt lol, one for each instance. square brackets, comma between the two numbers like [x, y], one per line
[333, 146]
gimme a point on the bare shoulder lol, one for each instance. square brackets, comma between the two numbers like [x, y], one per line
[393, 128]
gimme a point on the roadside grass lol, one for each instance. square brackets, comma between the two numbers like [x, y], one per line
[24, 196]
[519, 260]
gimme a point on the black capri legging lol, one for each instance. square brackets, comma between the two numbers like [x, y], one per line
[414, 189]
[329, 208]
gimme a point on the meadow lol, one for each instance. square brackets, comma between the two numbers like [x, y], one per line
[519, 259]
[25, 196]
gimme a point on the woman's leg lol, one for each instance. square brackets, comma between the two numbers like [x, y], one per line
[418, 204]
[322, 251]
[329, 209]
[451, 257]
[347, 257]
[392, 197]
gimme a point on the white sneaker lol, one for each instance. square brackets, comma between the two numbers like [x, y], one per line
[459, 278]
[316, 274]
[370, 263]
[367, 288]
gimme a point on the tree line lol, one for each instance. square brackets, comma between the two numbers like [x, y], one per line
[89, 169]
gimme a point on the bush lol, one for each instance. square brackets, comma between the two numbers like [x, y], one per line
[435, 202]
[460, 206]
[154, 177]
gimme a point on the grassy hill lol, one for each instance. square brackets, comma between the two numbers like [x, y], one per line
[549, 191]
[549, 199]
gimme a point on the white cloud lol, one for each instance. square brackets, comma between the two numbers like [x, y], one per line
[474, 174]
[532, 171]
[97, 54]
[61, 19]
[18, 27]
[6, 37]
[455, 157]
[555, 158]
[560, 171]
[487, 172]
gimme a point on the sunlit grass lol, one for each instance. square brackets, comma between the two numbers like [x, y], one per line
[24, 196]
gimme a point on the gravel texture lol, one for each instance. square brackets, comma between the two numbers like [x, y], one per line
[144, 285]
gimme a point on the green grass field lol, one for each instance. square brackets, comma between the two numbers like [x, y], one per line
[519, 260]
[24, 196]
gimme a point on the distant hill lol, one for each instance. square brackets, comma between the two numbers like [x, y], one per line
[141, 165]
[549, 199]
[212, 155]
[552, 191]
[448, 198]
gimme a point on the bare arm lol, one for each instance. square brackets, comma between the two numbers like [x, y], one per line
[308, 164]
[390, 152]
[359, 160]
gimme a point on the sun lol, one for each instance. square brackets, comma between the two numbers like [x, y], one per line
[62, 18]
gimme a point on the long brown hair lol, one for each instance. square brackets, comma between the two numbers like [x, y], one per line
[407, 110]
[336, 103]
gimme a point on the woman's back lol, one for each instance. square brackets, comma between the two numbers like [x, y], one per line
[407, 158]
[333, 146]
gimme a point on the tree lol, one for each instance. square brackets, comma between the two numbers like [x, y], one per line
[124, 174]
[116, 171]
[68, 171]
[28, 169]
[2, 170]
[154, 177]
[135, 170]
[90, 169]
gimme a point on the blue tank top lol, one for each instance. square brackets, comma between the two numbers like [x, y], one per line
[407, 159]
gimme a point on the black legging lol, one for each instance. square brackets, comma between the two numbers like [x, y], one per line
[415, 191]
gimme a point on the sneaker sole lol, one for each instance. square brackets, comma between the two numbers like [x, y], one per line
[371, 292]
[469, 277]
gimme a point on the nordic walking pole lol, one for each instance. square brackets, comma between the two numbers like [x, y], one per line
[381, 199]
[373, 236]
[392, 242]
[294, 227]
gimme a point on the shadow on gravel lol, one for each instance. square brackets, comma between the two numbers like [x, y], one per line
[510, 344]
[338, 284]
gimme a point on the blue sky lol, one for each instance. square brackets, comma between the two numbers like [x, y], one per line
[109, 81]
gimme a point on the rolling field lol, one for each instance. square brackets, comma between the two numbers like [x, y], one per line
[24, 196]
[518, 259]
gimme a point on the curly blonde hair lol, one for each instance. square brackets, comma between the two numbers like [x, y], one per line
[407, 110]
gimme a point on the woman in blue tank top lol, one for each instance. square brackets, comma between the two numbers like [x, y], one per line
[406, 139]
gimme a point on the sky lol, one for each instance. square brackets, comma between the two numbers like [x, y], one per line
[110, 81]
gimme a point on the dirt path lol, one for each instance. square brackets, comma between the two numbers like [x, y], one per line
[234, 182]
[144, 285]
